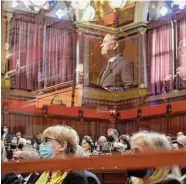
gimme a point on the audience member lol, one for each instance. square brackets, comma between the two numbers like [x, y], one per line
[21, 143]
[18, 135]
[101, 142]
[144, 142]
[22, 178]
[37, 141]
[125, 140]
[91, 177]
[182, 140]
[3, 153]
[179, 134]
[88, 146]
[62, 141]
[6, 135]
[176, 146]
[12, 147]
[112, 137]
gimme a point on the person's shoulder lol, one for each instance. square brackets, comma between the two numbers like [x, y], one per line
[123, 61]
[10, 178]
[170, 181]
[75, 178]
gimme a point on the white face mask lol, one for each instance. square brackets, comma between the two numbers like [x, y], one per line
[14, 141]
[5, 130]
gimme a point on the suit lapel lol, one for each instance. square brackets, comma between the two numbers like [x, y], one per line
[111, 67]
[100, 75]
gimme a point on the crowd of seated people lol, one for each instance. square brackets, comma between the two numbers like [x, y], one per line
[62, 141]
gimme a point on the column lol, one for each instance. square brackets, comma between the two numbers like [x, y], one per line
[142, 59]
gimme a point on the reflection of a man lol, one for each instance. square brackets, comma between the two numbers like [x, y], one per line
[118, 73]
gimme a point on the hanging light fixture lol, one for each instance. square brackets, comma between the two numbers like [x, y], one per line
[80, 4]
[38, 5]
[181, 4]
[117, 3]
[163, 10]
[14, 4]
[89, 14]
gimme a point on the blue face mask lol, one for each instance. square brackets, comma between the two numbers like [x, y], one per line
[45, 151]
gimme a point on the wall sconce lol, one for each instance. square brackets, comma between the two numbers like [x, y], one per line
[81, 113]
[45, 109]
[169, 109]
[112, 112]
[139, 113]
[117, 116]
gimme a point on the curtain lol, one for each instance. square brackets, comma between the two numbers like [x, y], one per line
[26, 43]
[60, 47]
[159, 55]
[180, 19]
[43, 51]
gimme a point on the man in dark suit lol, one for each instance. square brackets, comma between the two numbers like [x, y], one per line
[118, 73]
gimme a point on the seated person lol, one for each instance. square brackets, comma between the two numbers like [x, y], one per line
[62, 141]
[14, 178]
[112, 138]
[88, 146]
[150, 141]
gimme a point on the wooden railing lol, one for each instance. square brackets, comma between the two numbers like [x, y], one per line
[101, 163]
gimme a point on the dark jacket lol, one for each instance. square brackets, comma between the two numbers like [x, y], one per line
[116, 74]
[91, 177]
[12, 178]
[71, 178]
[75, 178]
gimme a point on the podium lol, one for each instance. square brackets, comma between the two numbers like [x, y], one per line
[98, 97]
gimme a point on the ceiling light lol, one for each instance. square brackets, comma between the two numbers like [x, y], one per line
[38, 2]
[80, 4]
[26, 3]
[181, 4]
[60, 13]
[14, 4]
[163, 10]
[89, 14]
[117, 3]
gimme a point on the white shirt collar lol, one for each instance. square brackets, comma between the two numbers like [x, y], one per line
[112, 58]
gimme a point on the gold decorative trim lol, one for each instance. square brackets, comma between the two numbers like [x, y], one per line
[97, 94]
[131, 27]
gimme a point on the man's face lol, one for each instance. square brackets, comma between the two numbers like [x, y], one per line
[18, 135]
[108, 45]
[111, 133]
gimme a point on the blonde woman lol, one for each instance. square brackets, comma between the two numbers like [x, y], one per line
[60, 141]
[150, 141]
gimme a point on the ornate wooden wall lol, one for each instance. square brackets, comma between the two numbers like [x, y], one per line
[30, 124]
[170, 124]
[25, 117]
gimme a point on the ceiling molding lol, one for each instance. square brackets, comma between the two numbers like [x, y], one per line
[130, 28]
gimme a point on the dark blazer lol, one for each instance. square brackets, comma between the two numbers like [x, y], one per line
[71, 178]
[12, 178]
[91, 177]
[117, 74]
[75, 178]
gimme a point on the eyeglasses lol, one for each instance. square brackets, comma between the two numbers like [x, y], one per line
[18, 158]
[47, 139]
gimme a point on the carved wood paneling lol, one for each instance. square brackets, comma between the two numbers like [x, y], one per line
[163, 124]
[30, 125]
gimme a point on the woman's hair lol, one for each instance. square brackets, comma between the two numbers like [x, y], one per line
[89, 140]
[125, 140]
[102, 139]
[30, 155]
[154, 142]
[63, 133]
